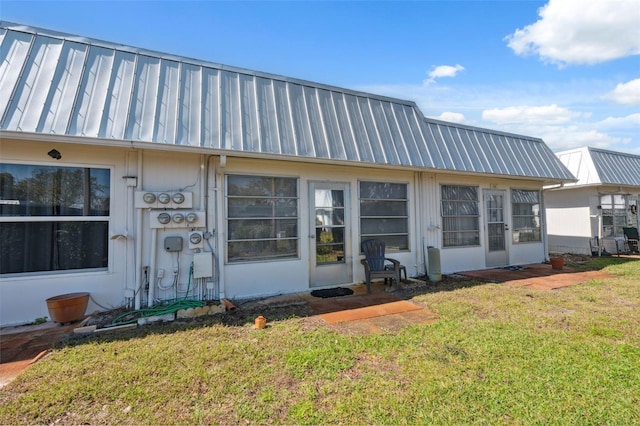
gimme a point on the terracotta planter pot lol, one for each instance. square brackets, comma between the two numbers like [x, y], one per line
[557, 263]
[67, 307]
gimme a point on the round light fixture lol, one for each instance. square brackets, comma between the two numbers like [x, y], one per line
[164, 218]
[164, 198]
[149, 198]
[178, 198]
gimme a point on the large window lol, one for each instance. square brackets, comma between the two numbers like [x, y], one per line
[614, 214]
[262, 218]
[384, 214]
[460, 216]
[526, 216]
[53, 218]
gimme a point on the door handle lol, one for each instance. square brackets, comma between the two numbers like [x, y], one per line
[313, 237]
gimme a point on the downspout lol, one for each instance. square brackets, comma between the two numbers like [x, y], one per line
[418, 206]
[212, 232]
[132, 182]
[152, 267]
[219, 176]
[138, 239]
[545, 239]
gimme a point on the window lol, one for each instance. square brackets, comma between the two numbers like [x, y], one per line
[53, 218]
[614, 214]
[384, 214]
[526, 216]
[262, 218]
[460, 216]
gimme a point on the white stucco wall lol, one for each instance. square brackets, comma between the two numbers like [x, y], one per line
[574, 216]
[22, 297]
[571, 219]
[456, 259]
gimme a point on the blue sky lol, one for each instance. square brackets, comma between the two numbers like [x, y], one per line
[567, 71]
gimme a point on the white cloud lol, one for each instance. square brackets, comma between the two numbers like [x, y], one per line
[562, 138]
[626, 93]
[443, 71]
[581, 32]
[630, 121]
[452, 117]
[543, 115]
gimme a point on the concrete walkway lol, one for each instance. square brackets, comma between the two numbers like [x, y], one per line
[22, 346]
[539, 276]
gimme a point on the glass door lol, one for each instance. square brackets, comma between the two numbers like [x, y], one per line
[330, 234]
[495, 226]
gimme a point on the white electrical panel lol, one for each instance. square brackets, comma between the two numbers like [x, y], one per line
[177, 219]
[163, 200]
[203, 265]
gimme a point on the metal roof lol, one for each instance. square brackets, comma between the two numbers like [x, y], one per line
[58, 84]
[594, 166]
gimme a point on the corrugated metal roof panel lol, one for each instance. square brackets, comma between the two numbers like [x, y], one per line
[471, 149]
[55, 83]
[616, 168]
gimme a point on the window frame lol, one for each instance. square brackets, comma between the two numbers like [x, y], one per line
[405, 217]
[516, 231]
[62, 219]
[616, 212]
[476, 216]
[274, 219]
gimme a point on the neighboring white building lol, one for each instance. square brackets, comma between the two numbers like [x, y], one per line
[599, 204]
[139, 176]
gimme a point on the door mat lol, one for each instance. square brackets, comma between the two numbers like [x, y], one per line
[332, 292]
[514, 268]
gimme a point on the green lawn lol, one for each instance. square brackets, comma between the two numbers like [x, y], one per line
[498, 355]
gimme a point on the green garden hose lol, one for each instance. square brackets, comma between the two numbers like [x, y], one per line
[170, 307]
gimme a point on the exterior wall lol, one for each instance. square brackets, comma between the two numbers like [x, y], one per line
[574, 216]
[293, 275]
[571, 219]
[456, 259]
[22, 298]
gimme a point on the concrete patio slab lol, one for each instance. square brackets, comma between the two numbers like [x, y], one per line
[370, 313]
[539, 276]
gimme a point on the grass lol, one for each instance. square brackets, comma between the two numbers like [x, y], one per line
[497, 355]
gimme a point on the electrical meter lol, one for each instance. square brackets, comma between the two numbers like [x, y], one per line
[195, 238]
[149, 198]
[164, 198]
[178, 198]
[191, 217]
[178, 218]
[164, 218]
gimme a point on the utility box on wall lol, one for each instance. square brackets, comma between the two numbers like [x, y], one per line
[203, 265]
[172, 244]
